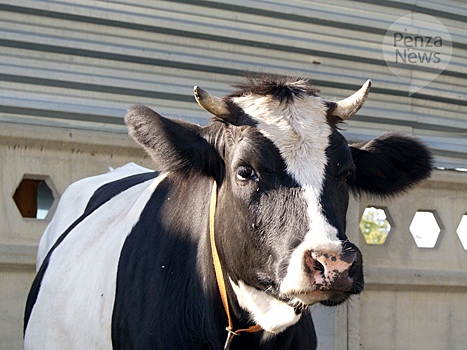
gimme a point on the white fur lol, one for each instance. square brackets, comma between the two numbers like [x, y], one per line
[299, 130]
[270, 313]
[73, 202]
[322, 236]
[74, 306]
[301, 133]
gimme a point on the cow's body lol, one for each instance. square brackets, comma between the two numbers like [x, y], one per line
[168, 274]
[127, 263]
[98, 252]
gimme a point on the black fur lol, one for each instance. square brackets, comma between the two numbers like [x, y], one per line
[173, 144]
[390, 164]
[160, 301]
[284, 89]
[167, 296]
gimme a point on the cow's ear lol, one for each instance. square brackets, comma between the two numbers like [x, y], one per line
[173, 144]
[390, 164]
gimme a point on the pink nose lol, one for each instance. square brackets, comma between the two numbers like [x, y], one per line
[331, 271]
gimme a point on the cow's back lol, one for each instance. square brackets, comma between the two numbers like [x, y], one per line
[72, 298]
[74, 201]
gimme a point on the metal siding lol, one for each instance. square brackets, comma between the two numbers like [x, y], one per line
[83, 63]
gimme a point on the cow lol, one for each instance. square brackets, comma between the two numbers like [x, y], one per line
[242, 226]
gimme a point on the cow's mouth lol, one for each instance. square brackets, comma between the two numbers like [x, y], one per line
[302, 301]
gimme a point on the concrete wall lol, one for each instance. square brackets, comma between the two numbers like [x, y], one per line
[416, 298]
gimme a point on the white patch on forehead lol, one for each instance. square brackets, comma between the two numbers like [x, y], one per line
[299, 130]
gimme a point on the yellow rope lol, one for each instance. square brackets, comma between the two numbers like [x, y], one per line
[218, 270]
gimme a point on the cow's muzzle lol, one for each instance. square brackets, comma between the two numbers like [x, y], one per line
[325, 276]
[338, 275]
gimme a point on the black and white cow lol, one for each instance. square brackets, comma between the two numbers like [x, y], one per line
[126, 262]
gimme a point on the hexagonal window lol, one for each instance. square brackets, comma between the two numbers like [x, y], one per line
[425, 229]
[375, 225]
[34, 197]
[462, 231]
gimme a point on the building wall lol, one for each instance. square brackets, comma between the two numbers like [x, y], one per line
[82, 63]
[70, 69]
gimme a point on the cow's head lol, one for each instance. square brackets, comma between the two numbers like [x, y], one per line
[284, 175]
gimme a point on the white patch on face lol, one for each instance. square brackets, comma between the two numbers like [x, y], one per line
[322, 236]
[301, 133]
[299, 130]
[270, 313]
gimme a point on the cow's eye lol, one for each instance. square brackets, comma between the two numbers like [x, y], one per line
[245, 172]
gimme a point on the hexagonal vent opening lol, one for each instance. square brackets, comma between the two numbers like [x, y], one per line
[425, 229]
[462, 231]
[375, 225]
[34, 198]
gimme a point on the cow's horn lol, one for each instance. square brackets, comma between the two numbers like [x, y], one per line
[349, 106]
[212, 104]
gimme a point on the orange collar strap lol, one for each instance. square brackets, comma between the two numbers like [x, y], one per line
[220, 275]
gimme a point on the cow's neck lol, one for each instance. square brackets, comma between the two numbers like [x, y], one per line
[248, 303]
[221, 283]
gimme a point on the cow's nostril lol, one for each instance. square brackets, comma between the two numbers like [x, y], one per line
[318, 266]
[313, 264]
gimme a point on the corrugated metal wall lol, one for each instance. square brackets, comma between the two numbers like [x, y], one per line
[83, 63]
